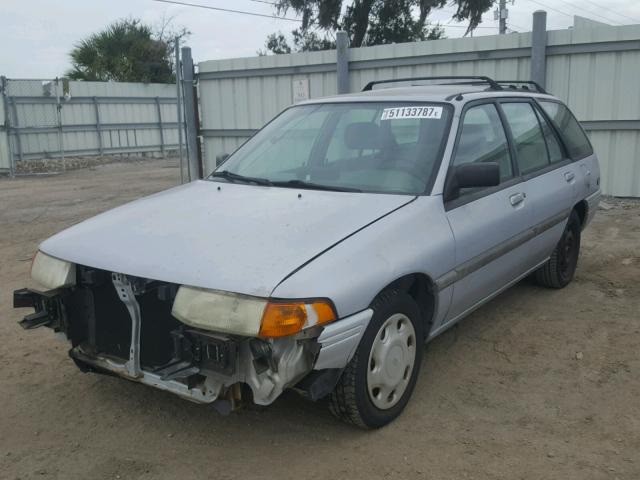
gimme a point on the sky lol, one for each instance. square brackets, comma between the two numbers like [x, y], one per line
[37, 35]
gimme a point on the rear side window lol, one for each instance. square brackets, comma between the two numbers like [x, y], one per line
[555, 150]
[576, 141]
[527, 135]
[482, 139]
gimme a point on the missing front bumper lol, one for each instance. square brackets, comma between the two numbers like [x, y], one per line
[109, 319]
[206, 392]
[46, 305]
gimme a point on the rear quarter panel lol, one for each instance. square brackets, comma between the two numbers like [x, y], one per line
[589, 185]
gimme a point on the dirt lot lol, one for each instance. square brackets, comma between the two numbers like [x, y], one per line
[538, 384]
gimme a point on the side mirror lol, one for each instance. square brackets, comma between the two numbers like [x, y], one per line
[471, 175]
[221, 158]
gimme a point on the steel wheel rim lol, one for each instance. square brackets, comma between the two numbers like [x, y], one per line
[391, 361]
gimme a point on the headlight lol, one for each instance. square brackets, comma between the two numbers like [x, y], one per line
[244, 315]
[219, 311]
[51, 272]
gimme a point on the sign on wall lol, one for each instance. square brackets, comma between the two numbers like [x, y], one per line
[300, 89]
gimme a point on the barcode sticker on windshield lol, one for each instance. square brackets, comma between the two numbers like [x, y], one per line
[411, 112]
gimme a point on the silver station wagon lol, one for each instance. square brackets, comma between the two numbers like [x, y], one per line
[323, 253]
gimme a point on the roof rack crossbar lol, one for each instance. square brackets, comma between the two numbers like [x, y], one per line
[524, 83]
[492, 83]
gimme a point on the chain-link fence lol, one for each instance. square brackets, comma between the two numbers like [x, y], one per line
[57, 119]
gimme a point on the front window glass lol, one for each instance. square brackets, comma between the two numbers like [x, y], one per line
[482, 139]
[374, 147]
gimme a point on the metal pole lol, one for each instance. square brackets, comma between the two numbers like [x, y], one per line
[539, 48]
[503, 16]
[96, 107]
[59, 118]
[7, 123]
[342, 61]
[189, 113]
[15, 124]
[159, 110]
[179, 106]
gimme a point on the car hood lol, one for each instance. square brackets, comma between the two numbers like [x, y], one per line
[238, 238]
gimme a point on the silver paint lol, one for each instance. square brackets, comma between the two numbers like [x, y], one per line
[237, 238]
[346, 247]
[339, 340]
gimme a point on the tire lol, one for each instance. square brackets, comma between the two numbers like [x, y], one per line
[561, 266]
[353, 401]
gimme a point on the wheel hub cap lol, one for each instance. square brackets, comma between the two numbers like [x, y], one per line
[391, 361]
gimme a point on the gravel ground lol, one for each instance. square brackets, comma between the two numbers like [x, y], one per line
[537, 384]
[58, 165]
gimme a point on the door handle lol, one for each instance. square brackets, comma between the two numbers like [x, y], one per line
[516, 199]
[569, 176]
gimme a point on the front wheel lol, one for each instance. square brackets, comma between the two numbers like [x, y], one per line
[561, 266]
[378, 381]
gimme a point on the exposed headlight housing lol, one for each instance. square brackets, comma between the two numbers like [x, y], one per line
[250, 316]
[51, 272]
[218, 311]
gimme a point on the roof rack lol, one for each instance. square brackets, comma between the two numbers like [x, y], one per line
[523, 84]
[480, 79]
[469, 80]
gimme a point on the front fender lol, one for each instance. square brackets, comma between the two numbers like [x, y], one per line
[415, 238]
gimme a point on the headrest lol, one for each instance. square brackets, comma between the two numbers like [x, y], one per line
[472, 130]
[363, 136]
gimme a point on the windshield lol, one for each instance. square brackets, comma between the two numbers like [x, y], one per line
[373, 147]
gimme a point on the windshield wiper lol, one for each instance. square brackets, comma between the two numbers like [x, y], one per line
[235, 177]
[313, 186]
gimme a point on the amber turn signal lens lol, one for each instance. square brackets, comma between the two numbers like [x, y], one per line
[324, 313]
[283, 319]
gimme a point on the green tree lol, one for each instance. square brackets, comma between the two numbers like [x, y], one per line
[368, 22]
[126, 51]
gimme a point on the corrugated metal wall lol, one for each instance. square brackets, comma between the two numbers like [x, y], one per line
[504, 59]
[603, 90]
[257, 90]
[595, 70]
[52, 118]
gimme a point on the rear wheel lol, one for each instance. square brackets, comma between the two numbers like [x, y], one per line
[378, 381]
[561, 266]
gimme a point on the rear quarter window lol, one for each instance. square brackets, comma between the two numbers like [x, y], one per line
[576, 141]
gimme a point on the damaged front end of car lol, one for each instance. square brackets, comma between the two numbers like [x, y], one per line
[205, 346]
